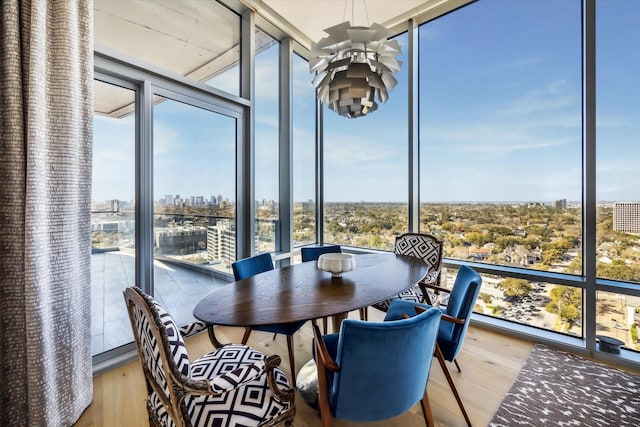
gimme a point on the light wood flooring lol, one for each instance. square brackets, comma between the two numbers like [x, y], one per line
[489, 362]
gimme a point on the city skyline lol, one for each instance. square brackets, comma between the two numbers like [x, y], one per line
[500, 115]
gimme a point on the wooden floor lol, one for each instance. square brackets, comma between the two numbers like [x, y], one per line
[489, 362]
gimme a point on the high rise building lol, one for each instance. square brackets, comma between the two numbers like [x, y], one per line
[626, 217]
[560, 204]
[221, 242]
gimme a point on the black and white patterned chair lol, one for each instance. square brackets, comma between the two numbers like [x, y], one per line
[235, 385]
[192, 328]
[429, 249]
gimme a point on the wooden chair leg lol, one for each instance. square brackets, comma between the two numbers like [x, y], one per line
[447, 374]
[457, 366]
[426, 410]
[245, 337]
[291, 361]
[364, 313]
[323, 393]
[325, 325]
[212, 336]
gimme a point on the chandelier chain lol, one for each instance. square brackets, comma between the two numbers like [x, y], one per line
[353, 11]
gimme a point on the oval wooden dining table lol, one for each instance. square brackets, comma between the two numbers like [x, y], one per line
[303, 292]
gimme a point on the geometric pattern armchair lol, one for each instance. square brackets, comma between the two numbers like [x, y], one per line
[429, 249]
[235, 385]
[456, 316]
[372, 371]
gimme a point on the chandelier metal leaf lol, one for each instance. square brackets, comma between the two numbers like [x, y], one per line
[354, 67]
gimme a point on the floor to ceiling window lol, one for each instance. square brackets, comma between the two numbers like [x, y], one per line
[501, 163]
[365, 171]
[267, 142]
[194, 201]
[501, 150]
[113, 224]
[618, 157]
[303, 119]
[181, 139]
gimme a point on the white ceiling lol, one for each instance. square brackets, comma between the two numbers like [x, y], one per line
[200, 38]
[311, 17]
[305, 20]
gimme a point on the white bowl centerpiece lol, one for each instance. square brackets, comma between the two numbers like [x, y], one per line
[336, 263]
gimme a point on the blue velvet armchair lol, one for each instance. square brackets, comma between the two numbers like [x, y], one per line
[455, 320]
[248, 267]
[373, 371]
[251, 266]
[312, 253]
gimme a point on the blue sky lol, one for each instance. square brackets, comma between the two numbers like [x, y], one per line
[500, 118]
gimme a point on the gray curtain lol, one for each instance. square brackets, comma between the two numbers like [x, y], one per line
[46, 103]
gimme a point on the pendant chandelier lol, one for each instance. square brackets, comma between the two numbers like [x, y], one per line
[354, 67]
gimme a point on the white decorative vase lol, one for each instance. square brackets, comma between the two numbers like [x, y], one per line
[336, 264]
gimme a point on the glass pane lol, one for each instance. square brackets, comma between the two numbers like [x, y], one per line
[267, 142]
[542, 305]
[113, 225]
[501, 134]
[618, 316]
[618, 140]
[193, 38]
[194, 203]
[304, 154]
[365, 171]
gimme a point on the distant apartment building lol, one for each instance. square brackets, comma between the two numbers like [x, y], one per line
[626, 217]
[221, 241]
[109, 226]
[560, 204]
[180, 240]
[197, 200]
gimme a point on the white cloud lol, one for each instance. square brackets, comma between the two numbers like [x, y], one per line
[550, 97]
[521, 62]
[522, 146]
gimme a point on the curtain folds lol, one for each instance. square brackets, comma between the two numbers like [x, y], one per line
[46, 104]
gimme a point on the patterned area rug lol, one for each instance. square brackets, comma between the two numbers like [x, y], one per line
[555, 388]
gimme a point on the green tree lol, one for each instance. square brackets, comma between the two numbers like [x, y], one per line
[618, 270]
[565, 302]
[517, 288]
[551, 255]
[477, 238]
[486, 298]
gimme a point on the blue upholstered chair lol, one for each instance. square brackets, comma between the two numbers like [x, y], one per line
[312, 253]
[455, 320]
[211, 390]
[429, 249]
[373, 371]
[251, 266]
[248, 267]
